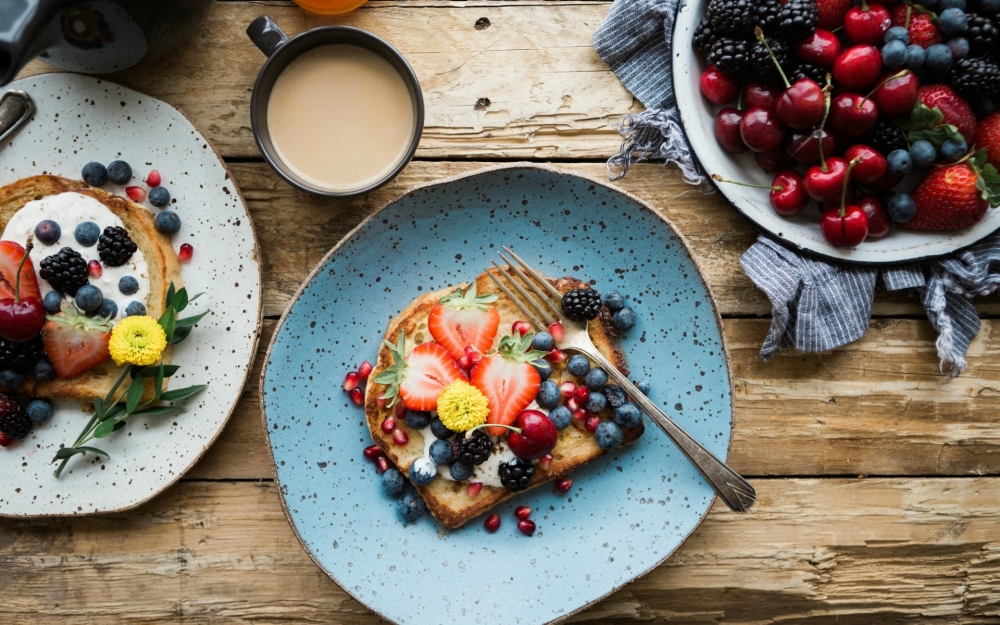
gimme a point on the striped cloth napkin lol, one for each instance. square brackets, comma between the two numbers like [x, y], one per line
[816, 305]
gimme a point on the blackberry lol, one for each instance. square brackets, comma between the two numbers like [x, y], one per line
[766, 16]
[581, 304]
[516, 474]
[797, 19]
[731, 18]
[983, 35]
[472, 449]
[762, 66]
[20, 357]
[14, 421]
[730, 55]
[65, 270]
[704, 36]
[975, 77]
[885, 137]
[807, 70]
[115, 247]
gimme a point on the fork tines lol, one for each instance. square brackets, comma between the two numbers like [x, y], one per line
[541, 318]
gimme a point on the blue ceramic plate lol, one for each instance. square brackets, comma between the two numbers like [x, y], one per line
[626, 512]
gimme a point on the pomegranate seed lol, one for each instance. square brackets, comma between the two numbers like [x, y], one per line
[557, 331]
[473, 490]
[5, 440]
[580, 414]
[474, 354]
[187, 251]
[465, 362]
[564, 484]
[400, 411]
[520, 327]
[372, 452]
[555, 356]
[388, 425]
[582, 394]
[153, 179]
[382, 463]
[136, 194]
[381, 402]
[522, 512]
[351, 381]
[365, 370]
[545, 462]
[357, 397]
[400, 437]
[527, 527]
[567, 389]
[592, 423]
[492, 523]
[95, 269]
[573, 404]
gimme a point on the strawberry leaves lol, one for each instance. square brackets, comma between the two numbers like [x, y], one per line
[987, 178]
[461, 301]
[928, 124]
[393, 375]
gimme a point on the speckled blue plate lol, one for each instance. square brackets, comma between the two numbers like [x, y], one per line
[626, 512]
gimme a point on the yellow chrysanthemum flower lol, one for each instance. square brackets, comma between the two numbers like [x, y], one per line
[462, 406]
[137, 340]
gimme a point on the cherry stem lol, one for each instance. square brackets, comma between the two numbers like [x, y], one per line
[864, 6]
[843, 189]
[719, 178]
[17, 281]
[899, 74]
[494, 425]
[760, 37]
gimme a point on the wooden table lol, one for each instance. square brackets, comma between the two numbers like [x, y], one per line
[879, 500]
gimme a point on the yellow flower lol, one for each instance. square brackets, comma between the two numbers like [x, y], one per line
[137, 340]
[462, 406]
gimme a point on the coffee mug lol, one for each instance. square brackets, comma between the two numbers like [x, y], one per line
[282, 51]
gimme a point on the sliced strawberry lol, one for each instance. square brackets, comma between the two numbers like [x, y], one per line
[11, 254]
[508, 380]
[418, 378]
[462, 320]
[75, 343]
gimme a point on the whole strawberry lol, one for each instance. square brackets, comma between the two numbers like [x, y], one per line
[956, 110]
[921, 27]
[988, 134]
[956, 196]
[832, 12]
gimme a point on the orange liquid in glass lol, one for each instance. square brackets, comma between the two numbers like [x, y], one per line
[329, 7]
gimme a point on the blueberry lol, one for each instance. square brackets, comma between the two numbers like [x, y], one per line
[543, 368]
[135, 309]
[48, 232]
[128, 285]
[560, 417]
[615, 394]
[39, 410]
[894, 54]
[952, 150]
[422, 471]
[87, 233]
[440, 430]
[10, 379]
[915, 56]
[119, 172]
[642, 385]
[159, 197]
[542, 341]
[899, 162]
[578, 365]
[94, 174]
[168, 222]
[624, 319]
[614, 300]
[52, 301]
[901, 208]
[896, 33]
[922, 153]
[392, 482]
[952, 21]
[938, 58]
[948, 4]
[410, 507]
[108, 309]
[43, 370]
[597, 402]
[627, 415]
[609, 436]
[548, 395]
[959, 47]
[596, 379]
[440, 452]
[89, 298]
[982, 105]
[418, 419]
[460, 472]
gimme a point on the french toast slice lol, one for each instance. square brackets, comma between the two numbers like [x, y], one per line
[448, 501]
[161, 261]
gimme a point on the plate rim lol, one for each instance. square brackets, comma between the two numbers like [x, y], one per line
[256, 338]
[446, 180]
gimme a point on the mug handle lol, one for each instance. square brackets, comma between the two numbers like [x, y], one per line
[266, 34]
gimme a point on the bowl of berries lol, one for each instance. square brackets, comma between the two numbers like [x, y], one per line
[868, 134]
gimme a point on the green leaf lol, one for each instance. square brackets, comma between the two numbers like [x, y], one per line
[180, 300]
[105, 428]
[118, 425]
[183, 393]
[69, 452]
[134, 394]
[98, 406]
[180, 333]
[169, 302]
[168, 320]
[155, 410]
[158, 381]
[190, 321]
[169, 370]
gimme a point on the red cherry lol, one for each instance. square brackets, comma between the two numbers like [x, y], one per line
[872, 165]
[534, 436]
[21, 318]
[897, 94]
[821, 48]
[526, 527]
[718, 86]
[867, 24]
[522, 512]
[878, 219]
[774, 160]
[788, 196]
[801, 106]
[727, 131]
[492, 523]
[857, 67]
[826, 184]
[848, 230]
[759, 94]
[852, 115]
[805, 148]
[760, 129]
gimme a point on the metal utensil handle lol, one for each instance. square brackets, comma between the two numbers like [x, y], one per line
[738, 494]
[16, 108]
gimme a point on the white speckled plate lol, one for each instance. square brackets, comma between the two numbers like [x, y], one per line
[81, 119]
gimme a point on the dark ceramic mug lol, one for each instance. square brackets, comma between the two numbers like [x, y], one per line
[281, 51]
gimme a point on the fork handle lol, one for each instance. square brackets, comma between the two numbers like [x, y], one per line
[738, 494]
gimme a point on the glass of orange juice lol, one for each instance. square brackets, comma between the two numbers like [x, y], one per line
[329, 7]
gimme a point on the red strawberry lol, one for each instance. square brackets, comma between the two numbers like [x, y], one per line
[463, 319]
[11, 254]
[956, 110]
[956, 196]
[419, 377]
[923, 31]
[989, 137]
[75, 343]
[832, 12]
[508, 380]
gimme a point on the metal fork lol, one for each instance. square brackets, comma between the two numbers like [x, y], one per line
[544, 309]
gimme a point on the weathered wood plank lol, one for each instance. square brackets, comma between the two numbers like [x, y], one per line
[812, 551]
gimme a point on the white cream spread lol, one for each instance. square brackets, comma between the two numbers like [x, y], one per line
[70, 210]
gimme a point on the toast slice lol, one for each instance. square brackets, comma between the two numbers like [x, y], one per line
[161, 260]
[446, 500]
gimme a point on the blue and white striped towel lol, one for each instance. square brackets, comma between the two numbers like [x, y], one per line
[816, 305]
